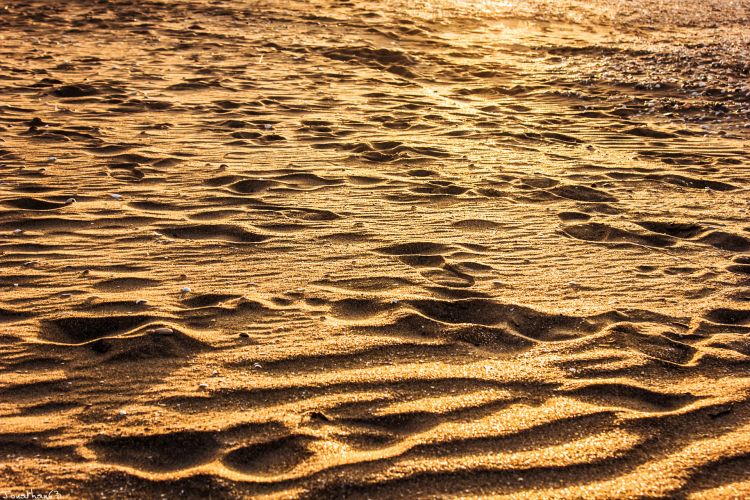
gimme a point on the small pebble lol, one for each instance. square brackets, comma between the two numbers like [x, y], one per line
[257, 365]
[70, 201]
[186, 289]
[141, 302]
[203, 386]
[122, 413]
[244, 335]
[116, 196]
[17, 231]
[52, 159]
[162, 331]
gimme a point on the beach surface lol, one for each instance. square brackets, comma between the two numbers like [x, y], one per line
[362, 249]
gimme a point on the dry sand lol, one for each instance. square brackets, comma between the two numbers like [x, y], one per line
[372, 249]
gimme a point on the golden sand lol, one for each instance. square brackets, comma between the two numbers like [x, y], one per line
[360, 249]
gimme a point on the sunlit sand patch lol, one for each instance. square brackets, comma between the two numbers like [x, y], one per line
[348, 249]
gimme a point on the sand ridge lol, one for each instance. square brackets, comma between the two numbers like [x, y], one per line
[344, 249]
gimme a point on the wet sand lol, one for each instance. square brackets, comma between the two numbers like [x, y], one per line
[357, 249]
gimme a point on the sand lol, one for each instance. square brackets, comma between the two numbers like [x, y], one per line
[359, 249]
